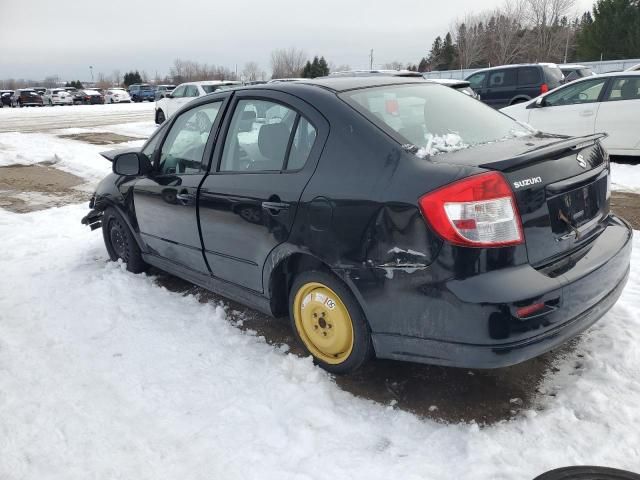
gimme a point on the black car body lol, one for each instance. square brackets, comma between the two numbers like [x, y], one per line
[480, 257]
[26, 97]
[510, 84]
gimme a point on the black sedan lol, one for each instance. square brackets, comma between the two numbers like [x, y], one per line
[351, 205]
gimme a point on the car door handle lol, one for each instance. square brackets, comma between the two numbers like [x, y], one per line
[586, 113]
[186, 198]
[275, 207]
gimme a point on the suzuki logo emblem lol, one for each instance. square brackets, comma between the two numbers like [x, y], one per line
[581, 161]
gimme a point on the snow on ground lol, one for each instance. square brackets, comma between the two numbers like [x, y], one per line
[625, 177]
[104, 374]
[70, 155]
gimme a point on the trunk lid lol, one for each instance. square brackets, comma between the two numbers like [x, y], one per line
[561, 186]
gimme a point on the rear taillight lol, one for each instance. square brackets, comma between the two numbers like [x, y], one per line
[544, 88]
[478, 211]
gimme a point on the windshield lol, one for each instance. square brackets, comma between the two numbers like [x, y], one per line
[434, 118]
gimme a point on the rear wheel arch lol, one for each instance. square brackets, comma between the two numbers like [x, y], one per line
[519, 99]
[282, 275]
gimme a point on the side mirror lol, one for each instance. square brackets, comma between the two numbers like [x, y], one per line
[539, 103]
[131, 164]
[168, 95]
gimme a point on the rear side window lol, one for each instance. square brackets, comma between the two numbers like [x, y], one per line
[503, 78]
[625, 89]
[433, 117]
[528, 76]
[303, 141]
[260, 138]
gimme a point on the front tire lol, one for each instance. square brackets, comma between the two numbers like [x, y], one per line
[328, 321]
[120, 242]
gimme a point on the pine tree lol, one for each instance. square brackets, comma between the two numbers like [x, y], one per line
[613, 31]
[448, 55]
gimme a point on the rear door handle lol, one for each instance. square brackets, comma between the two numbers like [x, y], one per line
[275, 207]
[586, 113]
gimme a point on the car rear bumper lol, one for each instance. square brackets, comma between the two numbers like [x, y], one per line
[473, 322]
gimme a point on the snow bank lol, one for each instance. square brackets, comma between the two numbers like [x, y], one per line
[625, 177]
[104, 374]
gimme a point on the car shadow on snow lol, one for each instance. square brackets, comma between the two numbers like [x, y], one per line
[442, 394]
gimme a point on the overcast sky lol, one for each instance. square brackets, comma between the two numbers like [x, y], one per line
[47, 37]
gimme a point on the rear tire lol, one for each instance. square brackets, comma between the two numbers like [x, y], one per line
[120, 242]
[328, 321]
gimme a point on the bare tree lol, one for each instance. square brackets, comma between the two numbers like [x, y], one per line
[103, 81]
[548, 35]
[395, 65]
[287, 63]
[251, 71]
[115, 77]
[467, 35]
[506, 41]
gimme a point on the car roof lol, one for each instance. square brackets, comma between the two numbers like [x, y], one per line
[342, 84]
[572, 65]
[516, 65]
[212, 82]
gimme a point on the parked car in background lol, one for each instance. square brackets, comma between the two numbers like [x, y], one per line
[185, 92]
[5, 98]
[57, 96]
[574, 72]
[77, 95]
[40, 90]
[510, 84]
[163, 90]
[92, 97]
[356, 213]
[139, 92]
[116, 95]
[26, 97]
[608, 103]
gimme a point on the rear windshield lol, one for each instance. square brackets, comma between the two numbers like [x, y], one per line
[215, 88]
[554, 74]
[434, 118]
[146, 87]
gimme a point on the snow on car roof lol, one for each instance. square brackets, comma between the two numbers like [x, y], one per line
[572, 65]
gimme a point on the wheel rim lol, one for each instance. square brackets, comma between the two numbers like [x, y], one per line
[118, 239]
[323, 323]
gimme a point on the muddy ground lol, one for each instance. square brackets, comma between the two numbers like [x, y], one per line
[439, 393]
[100, 138]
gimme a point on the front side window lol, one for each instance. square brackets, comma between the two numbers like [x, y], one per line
[503, 78]
[477, 80]
[179, 92]
[258, 137]
[433, 117]
[183, 148]
[625, 89]
[191, 91]
[576, 93]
